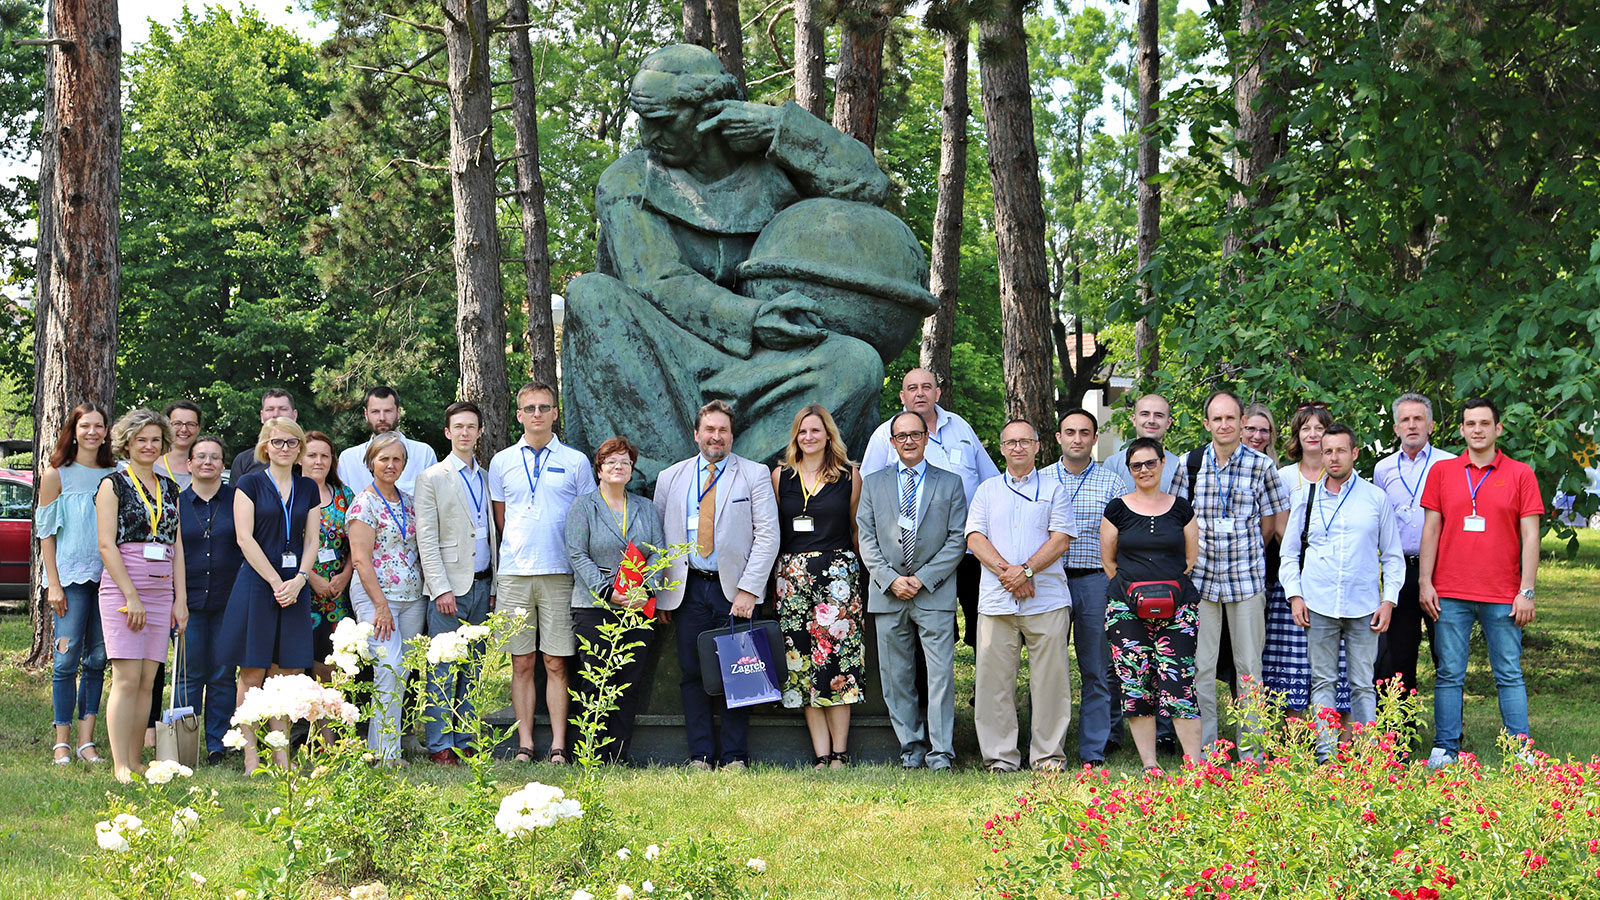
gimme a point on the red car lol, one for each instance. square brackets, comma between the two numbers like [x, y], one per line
[16, 531]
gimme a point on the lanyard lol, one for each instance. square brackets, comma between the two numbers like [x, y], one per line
[1225, 484]
[404, 523]
[477, 499]
[1061, 476]
[623, 522]
[533, 480]
[1036, 486]
[1327, 521]
[1472, 489]
[286, 507]
[1412, 491]
[807, 493]
[916, 486]
[699, 474]
[154, 513]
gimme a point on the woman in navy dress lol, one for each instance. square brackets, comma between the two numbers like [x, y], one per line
[277, 513]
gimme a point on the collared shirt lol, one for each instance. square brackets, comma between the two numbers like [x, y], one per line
[1174, 475]
[1347, 531]
[1088, 494]
[354, 473]
[1401, 477]
[697, 489]
[953, 446]
[1483, 565]
[211, 556]
[476, 483]
[1230, 501]
[1018, 516]
[537, 487]
[919, 473]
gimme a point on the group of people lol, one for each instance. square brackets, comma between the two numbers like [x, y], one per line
[1164, 573]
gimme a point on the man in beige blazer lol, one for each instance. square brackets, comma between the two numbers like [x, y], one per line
[726, 574]
[456, 539]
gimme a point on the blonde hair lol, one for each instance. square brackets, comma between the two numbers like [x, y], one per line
[134, 421]
[835, 458]
[381, 441]
[287, 426]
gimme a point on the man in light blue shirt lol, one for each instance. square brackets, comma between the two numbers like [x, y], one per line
[1334, 531]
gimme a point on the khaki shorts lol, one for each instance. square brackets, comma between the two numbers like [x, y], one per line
[547, 599]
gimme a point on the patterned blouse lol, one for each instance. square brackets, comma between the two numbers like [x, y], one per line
[333, 536]
[394, 553]
[133, 515]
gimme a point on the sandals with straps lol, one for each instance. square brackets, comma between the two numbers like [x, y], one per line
[97, 758]
[523, 754]
[61, 760]
[558, 756]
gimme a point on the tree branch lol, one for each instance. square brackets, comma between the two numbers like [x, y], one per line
[433, 82]
[420, 26]
[418, 163]
[63, 43]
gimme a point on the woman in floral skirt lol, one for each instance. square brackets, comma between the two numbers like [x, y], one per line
[819, 582]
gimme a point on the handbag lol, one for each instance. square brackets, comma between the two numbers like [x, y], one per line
[630, 574]
[744, 671]
[1155, 599]
[178, 732]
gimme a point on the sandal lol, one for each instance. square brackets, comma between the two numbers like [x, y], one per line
[97, 757]
[841, 759]
[61, 760]
[523, 754]
[558, 756]
[822, 762]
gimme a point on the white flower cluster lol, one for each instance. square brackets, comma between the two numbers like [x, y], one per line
[377, 890]
[164, 770]
[535, 806]
[293, 697]
[183, 820]
[113, 835]
[452, 646]
[351, 645]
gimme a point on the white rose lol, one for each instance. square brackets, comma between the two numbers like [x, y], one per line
[758, 865]
[183, 820]
[623, 853]
[198, 879]
[581, 894]
[624, 892]
[234, 739]
[109, 837]
[161, 771]
[652, 851]
[277, 740]
[648, 888]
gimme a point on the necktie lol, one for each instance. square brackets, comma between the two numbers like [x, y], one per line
[908, 513]
[708, 511]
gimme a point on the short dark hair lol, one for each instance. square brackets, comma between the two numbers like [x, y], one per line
[1206, 409]
[534, 386]
[270, 393]
[716, 406]
[381, 392]
[184, 404]
[1020, 421]
[1144, 443]
[209, 439]
[1340, 428]
[1481, 403]
[462, 406]
[1078, 411]
[907, 412]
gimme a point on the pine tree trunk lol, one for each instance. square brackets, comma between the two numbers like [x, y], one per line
[728, 34]
[480, 305]
[1146, 343]
[696, 23]
[530, 197]
[859, 79]
[810, 59]
[75, 337]
[938, 330]
[1257, 103]
[1018, 215]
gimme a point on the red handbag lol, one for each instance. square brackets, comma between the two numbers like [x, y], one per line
[630, 574]
[1155, 599]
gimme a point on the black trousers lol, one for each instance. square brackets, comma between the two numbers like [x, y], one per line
[968, 574]
[1400, 647]
[618, 724]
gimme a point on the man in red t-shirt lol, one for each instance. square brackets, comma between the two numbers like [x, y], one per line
[1480, 557]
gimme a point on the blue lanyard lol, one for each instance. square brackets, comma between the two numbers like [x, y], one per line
[1036, 486]
[533, 480]
[915, 487]
[1412, 491]
[699, 475]
[1230, 483]
[392, 517]
[286, 507]
[1061, 476]
[1472, 489]
[1327, 521]
[477, 499]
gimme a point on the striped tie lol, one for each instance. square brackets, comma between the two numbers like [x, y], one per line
[908, 513]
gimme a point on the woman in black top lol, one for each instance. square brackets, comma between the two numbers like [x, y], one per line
[1152, 536]
[819, 581]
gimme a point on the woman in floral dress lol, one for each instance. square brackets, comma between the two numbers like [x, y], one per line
[819, 582]
[330, 576]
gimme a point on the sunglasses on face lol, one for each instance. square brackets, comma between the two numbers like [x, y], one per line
[1144, 464]
[541, 409]
[1314, 404]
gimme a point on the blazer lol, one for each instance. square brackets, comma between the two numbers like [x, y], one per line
[595, 544]
[445, 533]
[746, 527]
[941, 538]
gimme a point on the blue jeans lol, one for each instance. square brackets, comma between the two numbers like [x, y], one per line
[1453, 635]
[79, 645]
[207, 680]
[704, 608]
[449, 685]
[1100, 696]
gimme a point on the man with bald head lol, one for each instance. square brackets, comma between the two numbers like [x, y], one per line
[1152, 418]
[952, 446]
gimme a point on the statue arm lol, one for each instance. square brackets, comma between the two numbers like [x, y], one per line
[824, 162]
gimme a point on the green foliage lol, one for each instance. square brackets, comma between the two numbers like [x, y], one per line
[21, 99]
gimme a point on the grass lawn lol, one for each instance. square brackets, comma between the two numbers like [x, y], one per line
[868, 832]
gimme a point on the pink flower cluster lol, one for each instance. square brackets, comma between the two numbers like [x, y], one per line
[293, 697]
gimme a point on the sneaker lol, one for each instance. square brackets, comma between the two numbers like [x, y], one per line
[699, 765]
[737, 765]
[1440, 757]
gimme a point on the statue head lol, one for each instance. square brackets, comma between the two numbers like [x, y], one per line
[673, 93]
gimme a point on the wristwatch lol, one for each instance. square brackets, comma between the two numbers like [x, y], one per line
[1526, 592]
[1027, 571]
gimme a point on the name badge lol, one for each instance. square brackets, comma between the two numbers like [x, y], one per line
[957, 455]
[1223, 525]
[534, 511]
[1403, 514]
[481, 532]
[1472, 523]
[804, 523]
[289, 561]
[907, 523]
[155, 551]
[327, 555]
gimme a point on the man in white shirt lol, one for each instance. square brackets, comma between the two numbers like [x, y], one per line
[952, 446]
[1019, 526]
[452, 515]
[532, 484]
[1334, 531]
[382, 411]
[1152, 418]
[1401, 476]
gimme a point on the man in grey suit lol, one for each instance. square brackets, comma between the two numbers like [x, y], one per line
[911, 520]
[724, 505]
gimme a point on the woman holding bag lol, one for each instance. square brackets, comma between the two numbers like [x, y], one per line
[1149, 541]
[601, 525]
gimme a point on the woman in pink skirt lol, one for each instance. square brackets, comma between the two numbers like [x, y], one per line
[142, 591]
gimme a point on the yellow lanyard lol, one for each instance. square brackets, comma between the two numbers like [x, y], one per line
[153, 512]
[624, 521]
[807, 493]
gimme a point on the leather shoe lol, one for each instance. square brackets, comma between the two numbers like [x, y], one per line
[445, 758]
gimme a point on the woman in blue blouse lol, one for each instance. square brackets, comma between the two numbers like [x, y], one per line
[211, 563]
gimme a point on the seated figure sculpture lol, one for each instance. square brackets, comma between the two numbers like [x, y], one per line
[696, 298]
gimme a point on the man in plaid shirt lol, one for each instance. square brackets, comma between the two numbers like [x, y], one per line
[1240, 502]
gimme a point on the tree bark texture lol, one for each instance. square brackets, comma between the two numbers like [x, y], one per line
[1146, 343]
[728, 34]
[810, 60]
[75, 337]
[938, 330]
[863, 25]
[480, 305]
[1258, 103]
[530, 198]
[1018, 215]
[697, 23]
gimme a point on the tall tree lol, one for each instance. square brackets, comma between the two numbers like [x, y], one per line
[1018, 212]
[1146, 343]
[944, 271]
[810, 59]
[727, 32]
[697, 23]
[1258, 104]
[79, 269]
[530, 198]
[858, 82]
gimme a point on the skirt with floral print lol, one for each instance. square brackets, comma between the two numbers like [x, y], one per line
[819, 607]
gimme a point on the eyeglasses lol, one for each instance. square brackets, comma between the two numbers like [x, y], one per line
[1144, 464]
[617, 464]
[1252, 429]
[540, 409]
[908, 436]
[1314, 404]
[1018, 442]
[284, 443]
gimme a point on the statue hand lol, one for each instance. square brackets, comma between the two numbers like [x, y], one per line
[789, 321]
[747, 127]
